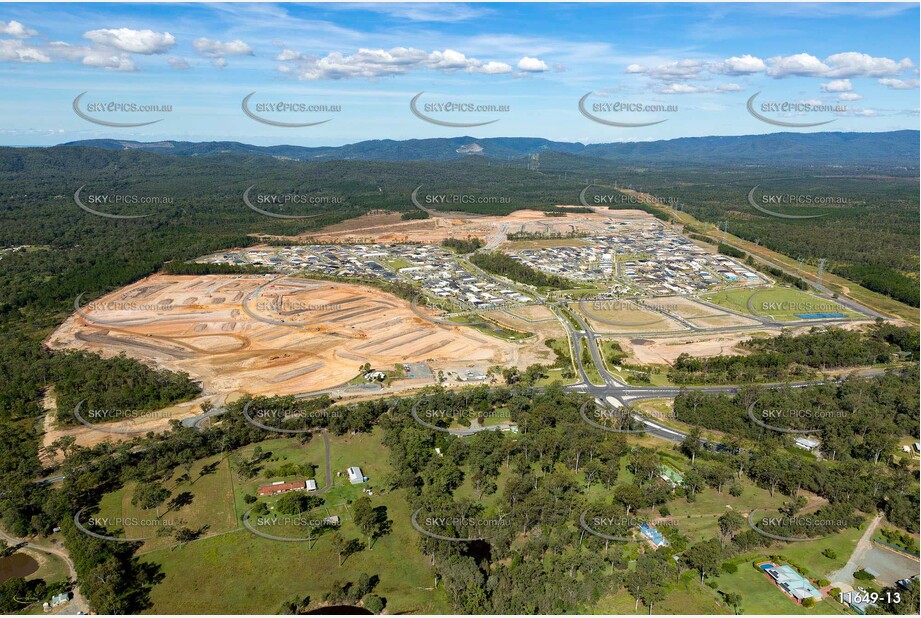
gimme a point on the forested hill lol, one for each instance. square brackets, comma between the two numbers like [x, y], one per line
[895, 148]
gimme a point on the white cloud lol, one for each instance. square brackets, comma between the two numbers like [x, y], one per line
[133, 41]
[680, 88]
[375, 63]
[532, 65]
[14, 28]
[429, 12]
[841, 66]
[797, 64]
[855, 64]
[13, 50]
[111, 62]
[219, 49]
[739, 65]
[899, 84]
[859, 112]
[287, 55]
[491, 68]
[682, 69]
[675, 88]
[177, 63]
[849, 96]
[449, 60]
[846, 64]
[219, 63]
[838, 85]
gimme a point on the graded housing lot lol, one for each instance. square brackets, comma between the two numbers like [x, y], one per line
[291, 336]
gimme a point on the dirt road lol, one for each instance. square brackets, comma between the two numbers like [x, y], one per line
[78, 603]
[863, 546]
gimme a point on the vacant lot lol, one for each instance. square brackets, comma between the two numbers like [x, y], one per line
[623, 317]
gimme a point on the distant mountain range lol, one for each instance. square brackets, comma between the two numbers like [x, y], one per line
[889, 148]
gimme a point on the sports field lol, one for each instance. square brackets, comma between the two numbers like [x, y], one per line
[779, 303]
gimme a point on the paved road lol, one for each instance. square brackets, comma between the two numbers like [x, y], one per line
[195, 421]
[77, 603]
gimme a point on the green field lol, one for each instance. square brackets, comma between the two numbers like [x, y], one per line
[211, 505]
[396, 263]
[588, 364]
[240, 572]
[779, 303]
[553, 375]
[684, 597]
[761, 596]
[698, 519]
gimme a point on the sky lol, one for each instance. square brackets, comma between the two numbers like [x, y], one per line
[351, 71]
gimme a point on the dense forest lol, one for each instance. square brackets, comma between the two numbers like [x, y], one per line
[462, 245]
[857, 418]
[501, 264]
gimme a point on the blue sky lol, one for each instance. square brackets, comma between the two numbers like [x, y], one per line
[699, 62]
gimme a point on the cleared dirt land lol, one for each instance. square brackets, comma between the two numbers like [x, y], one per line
[260, 335]
[537, 320]
[386, 228]
[664, 350]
